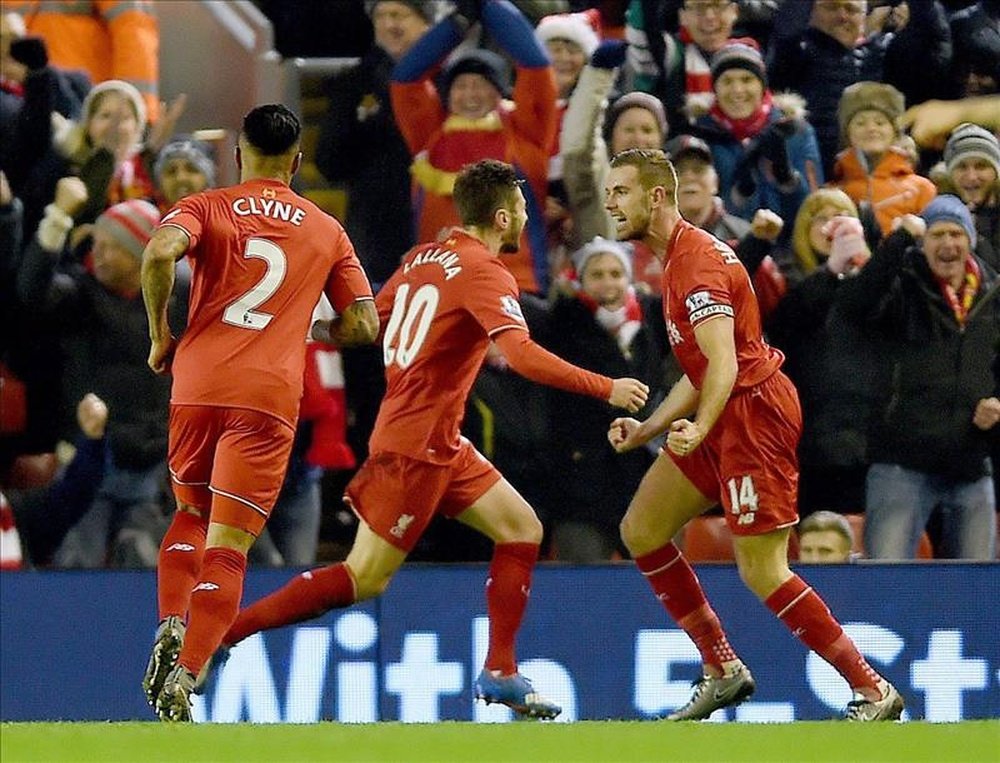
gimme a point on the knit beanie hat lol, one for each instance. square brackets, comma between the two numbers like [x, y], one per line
[970, 140]
[130, 224]
[739, 53]
[637, 99]
[583, 28]
[863, 96]
[600, 245]
[430, 10]
[196, 152]
[948, 208]
[482, 62]
[121, 87]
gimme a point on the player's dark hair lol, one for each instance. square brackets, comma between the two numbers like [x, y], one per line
[654, 168]
[482, 188]
[272, 129]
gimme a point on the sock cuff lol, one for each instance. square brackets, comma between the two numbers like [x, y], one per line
[226, 558]
[787, 595]
[526, 553]
[659, 559]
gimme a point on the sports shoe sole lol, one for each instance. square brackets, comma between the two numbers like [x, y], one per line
[161, 662]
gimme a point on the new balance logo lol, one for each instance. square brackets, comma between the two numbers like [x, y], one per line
[399, 529]
[180, 547]
[205, 587]
[798, 632]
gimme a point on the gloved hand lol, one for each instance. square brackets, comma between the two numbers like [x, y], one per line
[610, 54]
[744, 182]
[772, 148]
[31, 52]
[848, 252]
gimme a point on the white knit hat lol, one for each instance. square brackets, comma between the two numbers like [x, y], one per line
[583, 28]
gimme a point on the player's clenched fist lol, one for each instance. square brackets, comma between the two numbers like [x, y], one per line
[622, 434]
[629, 394]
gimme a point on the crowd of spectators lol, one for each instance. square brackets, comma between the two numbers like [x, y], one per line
[847, 150]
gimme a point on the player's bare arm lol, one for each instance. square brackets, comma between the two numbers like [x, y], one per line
[158, 267]
[625, 434]
[357, 325]
[716, 340]
[539, 365]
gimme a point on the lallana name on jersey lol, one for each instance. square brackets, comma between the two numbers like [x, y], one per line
[278, 210]
[443, 257]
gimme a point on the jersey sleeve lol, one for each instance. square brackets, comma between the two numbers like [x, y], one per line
[704, 283]
[492, 299]
[347, 282]
[190, 215]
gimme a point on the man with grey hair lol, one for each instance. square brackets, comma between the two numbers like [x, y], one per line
[825, 537]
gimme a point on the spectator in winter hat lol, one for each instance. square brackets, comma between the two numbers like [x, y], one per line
[469, 120]
[874, 168]
[120, 235]
[932, 306]
[636, 120]
[763, 149]
[570, 39]
[972, 161]
[183, 167]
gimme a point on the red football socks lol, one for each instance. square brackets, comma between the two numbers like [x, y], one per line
[805, 614]
[215, 601]
[507, 589]
[306, 596]
[179, 563]
[676, 586]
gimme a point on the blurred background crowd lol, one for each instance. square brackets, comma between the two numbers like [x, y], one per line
[871, 231]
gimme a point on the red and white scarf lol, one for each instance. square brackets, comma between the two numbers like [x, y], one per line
[622, 323]
[748, 127]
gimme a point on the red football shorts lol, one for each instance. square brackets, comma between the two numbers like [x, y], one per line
[749, 462]
[397, 496]
[229, 461]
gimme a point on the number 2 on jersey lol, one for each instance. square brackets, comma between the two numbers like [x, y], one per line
[409, 323]
[241, 312]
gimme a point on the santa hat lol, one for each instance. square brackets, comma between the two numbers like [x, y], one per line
[582, 28]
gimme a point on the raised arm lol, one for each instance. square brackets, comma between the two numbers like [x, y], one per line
[159, 261]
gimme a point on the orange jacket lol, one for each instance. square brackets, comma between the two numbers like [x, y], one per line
[893, 188]
[520, 133]
[108, 39]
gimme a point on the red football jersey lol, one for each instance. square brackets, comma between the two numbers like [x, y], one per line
[438, 312]
[704, 278]
[260, 256]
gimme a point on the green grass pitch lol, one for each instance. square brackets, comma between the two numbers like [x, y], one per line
[607, 741]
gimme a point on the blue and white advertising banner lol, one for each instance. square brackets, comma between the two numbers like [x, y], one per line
[73, 646]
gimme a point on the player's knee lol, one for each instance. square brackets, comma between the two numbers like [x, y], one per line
[525, 527]
[762, 576]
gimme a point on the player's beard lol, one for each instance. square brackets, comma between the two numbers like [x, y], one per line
[638, 225]
[511, 242]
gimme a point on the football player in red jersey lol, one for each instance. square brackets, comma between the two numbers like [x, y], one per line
[733, 424]
[441, 309]
[261, 256]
